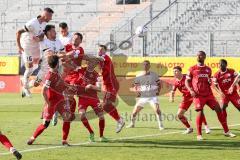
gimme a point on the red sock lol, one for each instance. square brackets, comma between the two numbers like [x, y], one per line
[223, 121]
[65, 130]
[204, 121]
[112, 111]
[199, 123]
[5, 141]
[101, 126]
[224, 112]
[87, 125]
[184, 120]
[39, 130]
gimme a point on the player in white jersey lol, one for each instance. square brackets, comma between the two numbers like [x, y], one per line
[147, 86]
[48, 45]
[28, 39]
[65, 36]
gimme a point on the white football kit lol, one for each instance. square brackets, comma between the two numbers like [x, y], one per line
[147, 86]
[45, 46]
[30, 46]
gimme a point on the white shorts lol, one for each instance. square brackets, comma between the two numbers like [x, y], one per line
[144, 100]
[30, 53]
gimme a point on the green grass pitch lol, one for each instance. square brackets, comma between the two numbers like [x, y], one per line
[19, 118]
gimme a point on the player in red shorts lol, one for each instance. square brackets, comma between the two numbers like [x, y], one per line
[89, 79]
[223, 80]
[53, 92]
[6, 142]
[186, 101]
[110, 87]
[70, 74]
[199, 77]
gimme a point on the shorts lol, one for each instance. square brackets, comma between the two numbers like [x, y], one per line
[186, 103]
[58, 103]
[84, 103]
[234, 98]
[200, 102]
[110, 93]
[144, 100]
[30, 53]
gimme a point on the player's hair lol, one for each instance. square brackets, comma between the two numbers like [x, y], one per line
[103, 46]
[53, 61]
[202, 52]
[146, 61]
[223, 61]
[79, 35]
[48, 28]
[49, 10]
[178, 68]
[63, 25]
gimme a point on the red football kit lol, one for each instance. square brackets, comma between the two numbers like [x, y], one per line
[224, 81]
[201, 85]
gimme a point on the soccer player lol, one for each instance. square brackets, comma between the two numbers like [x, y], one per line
[5, 141]
[198, 82]
[186, 100]
[53, 92]
[89, 78]
[110, 87]
[28, 40]
[223, 81]
[50, 44]
[65, 37]
[148, 86]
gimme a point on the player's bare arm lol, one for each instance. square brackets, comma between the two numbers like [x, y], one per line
[44, 93]
[18, 35]
[237, 79]
[171, 97]
[187, 84]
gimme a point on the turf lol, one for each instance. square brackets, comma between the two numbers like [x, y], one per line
[19, 118]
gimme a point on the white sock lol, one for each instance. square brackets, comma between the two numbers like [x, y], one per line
[159, 119]
[12, 149]
[31, 84]
[133, 119]
[28, 72]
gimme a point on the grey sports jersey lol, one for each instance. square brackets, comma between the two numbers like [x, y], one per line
[147, 85]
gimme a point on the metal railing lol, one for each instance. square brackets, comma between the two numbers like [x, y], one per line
[185, 27]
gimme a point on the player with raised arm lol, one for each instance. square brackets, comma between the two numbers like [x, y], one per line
[223, 80]
[147, 86]
[28, 39]
[198, 82]
[110, 87]
[187, 100]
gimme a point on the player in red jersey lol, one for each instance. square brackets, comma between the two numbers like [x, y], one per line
[198, 82]
[110, 87]
[223, 80]
[6, 143]
[53, 92]
[186, 101]
[89, 79]
[70, 74]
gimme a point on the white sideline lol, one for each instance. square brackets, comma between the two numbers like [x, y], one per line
[116, 139]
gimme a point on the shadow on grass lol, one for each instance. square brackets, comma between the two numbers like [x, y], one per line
[173, 144]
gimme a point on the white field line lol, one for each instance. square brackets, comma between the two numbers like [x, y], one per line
[116, 139]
